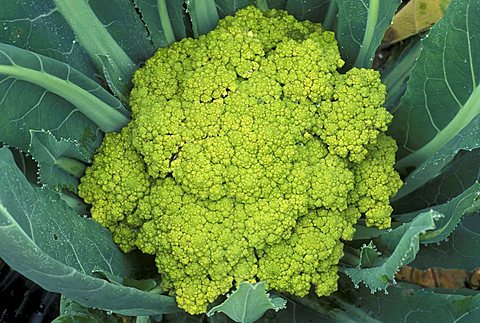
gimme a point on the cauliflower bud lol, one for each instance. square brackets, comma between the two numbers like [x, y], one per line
[249, 157]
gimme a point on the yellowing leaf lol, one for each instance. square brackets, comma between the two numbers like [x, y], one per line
[415, 17]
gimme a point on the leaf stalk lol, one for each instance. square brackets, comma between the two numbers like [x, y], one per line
[372, 18]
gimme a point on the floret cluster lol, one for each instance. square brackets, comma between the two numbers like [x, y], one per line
[249, 157]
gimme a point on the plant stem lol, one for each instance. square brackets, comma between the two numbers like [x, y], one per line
[467, 113]
[203, 15]
[94, 37]
[165, 22]
[74, 202]
[332, 12]
[373, 10]
[261, 4]
[157, 290]
[105, 116]
[72, 166]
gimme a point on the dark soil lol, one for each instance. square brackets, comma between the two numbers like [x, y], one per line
[24, 301]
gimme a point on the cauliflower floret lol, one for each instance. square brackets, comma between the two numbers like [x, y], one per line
[356, 116]
[308, 256]
[249, 157]
[376, 182]
[114, 185]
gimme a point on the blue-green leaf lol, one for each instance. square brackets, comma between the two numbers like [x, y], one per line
[203, 15]
[114, 49]
[404, 241]
[362, 232]
[397, 69]
[183, 317]
[313, 10]
[148, 285]
[467, 139]
[37, 26]
[61, 162]
[277, 4]
[71, 312]
[157, 20]
[460, 248]
[114, 17]
[311, 308]
[229, 7]
[452, 212]
[295, 313]
[116, 82]
[248, 303]
[369, 256]
[47, 242]
[73, 201]
[56, 27]
[361, 26]
[405, 303]
[177, 19]
[55, 97]
[443, 92]
[461, 173]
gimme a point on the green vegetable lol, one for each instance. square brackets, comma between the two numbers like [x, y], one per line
[248, 303]
[43, 238]
[373, 16]
[65, 80]
[249, 157]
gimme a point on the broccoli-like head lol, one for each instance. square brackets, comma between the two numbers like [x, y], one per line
[249, 157]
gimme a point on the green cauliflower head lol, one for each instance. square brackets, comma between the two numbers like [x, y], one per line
[249, 157]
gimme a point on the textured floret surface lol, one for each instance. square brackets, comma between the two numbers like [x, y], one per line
[249, 157]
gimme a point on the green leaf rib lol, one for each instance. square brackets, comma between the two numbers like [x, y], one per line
[59, 78]
[47, 242]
